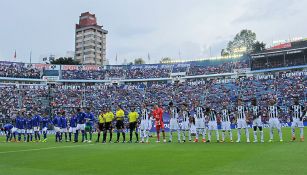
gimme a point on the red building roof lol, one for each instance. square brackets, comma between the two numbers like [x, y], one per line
[87, 19]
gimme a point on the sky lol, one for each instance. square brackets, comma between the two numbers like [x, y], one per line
[180, 29]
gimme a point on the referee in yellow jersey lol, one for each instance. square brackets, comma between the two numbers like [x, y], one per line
[109, 116]
[101, 121]
[119, 117]
[133, 116]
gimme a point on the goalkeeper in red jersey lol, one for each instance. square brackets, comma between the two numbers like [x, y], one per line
[158, 116]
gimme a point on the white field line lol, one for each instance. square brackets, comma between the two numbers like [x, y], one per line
[39, 149]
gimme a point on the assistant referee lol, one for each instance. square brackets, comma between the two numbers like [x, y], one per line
[109, 116]
[101, 123]
[133, 116]
[120, 114]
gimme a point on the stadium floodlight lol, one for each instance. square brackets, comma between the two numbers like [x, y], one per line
[236, 55]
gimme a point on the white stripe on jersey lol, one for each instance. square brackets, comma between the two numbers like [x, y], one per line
[212, 116]
[241, 112]
[145, 115]
[297, 111]
[199, 112]
[225, 115]
[174, 113]
[255, 111]
[185, 116]
[273, 111]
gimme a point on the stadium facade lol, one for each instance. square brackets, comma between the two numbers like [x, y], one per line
[283, 55]
[71, 86]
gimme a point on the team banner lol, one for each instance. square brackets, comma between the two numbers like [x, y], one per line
[81, 67]
[243, 70]
[149, 66]
[281, 46]
[45, 66]
[159, 66]
[262, 77]
[293, 74]
[51, 78]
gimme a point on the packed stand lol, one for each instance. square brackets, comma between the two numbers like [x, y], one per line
[226, 67]
[83, 75]
[139, 73]
[210, 92]
[18, 70]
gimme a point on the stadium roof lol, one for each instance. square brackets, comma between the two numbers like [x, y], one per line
[291, 46]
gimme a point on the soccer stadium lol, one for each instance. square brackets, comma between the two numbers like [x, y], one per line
[243, 112]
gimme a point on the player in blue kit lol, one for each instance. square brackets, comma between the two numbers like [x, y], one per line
[36, 121]
[29, 127]
[80, 124]
[20, 125]
[90, 120]
[57, 127]
[7, 128]
[63, 126]
[45, 121]
[72, 126]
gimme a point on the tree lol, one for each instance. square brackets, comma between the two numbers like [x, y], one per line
[165, 60]
[244, 39]
[224, 53]
[258, 46]
[139, 61]
[65, 61]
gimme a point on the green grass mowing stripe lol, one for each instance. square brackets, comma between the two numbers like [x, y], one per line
[39, 149]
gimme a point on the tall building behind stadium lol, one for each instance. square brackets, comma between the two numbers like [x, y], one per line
[90, 41]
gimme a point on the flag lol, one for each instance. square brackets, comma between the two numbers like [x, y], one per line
[116, 58]
[15, 55]
[148, 57]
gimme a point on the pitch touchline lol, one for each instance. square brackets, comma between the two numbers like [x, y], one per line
[38, 149]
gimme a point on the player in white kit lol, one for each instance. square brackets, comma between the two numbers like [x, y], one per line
[274, 122]
[211, 116]
[256, 114]
[199, 122]
[174, 121]
[225, 122]
[297, 114]
[145, 124]
[241, 116]
[185, 124]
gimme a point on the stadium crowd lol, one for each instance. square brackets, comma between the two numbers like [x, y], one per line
[226, 67]
[60, 100]
[18, 70]
[211, 92]
[145, 73]
[83, 75]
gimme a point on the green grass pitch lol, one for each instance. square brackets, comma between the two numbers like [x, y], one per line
[155, 158]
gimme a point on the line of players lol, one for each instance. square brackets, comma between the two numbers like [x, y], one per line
[181, 121]
[207, 119]
[26, 124]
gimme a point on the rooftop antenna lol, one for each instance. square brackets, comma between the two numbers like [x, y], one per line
[31, 57]
[116, 58]
[179, 55]
[148, 58]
